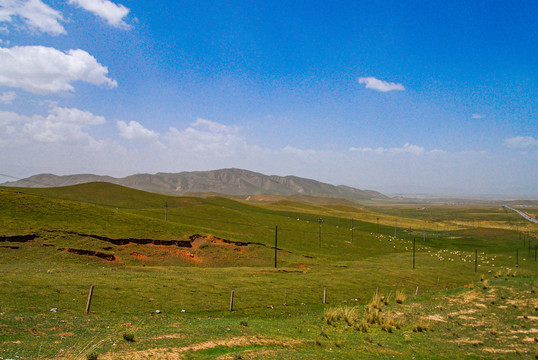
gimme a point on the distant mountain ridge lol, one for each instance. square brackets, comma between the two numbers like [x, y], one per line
[236, 182]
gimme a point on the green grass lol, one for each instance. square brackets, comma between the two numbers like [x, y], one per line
[193, 296]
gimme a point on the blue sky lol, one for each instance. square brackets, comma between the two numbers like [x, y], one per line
[397, 96]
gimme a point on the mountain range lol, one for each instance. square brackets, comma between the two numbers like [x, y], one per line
[235, 182]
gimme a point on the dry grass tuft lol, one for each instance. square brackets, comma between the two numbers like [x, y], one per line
[332, 315]
[350, 315]
[362, 326]
[387, 323]
[422, 325]
[400, 296]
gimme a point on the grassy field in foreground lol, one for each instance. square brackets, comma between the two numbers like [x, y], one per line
[457, 313]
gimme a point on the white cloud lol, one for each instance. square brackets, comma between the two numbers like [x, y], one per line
[7, 97]
[521, 142]
[60, 126]
[44, 70]
[107, 10]
[478, 116]
[380, 85]
[135, 131]
[35, 14]
[406, 149]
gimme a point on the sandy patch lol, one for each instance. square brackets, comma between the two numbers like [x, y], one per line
[531, 331]
[467, 341]
[436, 317]
[176, 353]
[169, 336]
[498, 351]
[517, 302]
[251, 354]
[463, 312]
[466, 298]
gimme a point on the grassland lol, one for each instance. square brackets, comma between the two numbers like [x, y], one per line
[490, 313]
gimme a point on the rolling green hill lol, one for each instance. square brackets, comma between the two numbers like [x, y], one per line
[56, 242]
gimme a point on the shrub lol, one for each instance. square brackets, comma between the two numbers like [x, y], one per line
[244, 323]
[129, 337]
[92, 356]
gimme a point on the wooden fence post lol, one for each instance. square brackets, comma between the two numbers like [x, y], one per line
[324, 295]
[232, 301]
[89, 302]
[276, 244]
[285, 297]
[475, 260]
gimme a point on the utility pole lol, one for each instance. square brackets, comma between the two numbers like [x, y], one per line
[165, 211]
[320, 220]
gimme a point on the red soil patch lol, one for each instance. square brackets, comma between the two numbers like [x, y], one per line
[139, 256]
